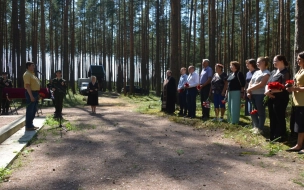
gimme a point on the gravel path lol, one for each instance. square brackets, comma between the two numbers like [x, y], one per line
[121, 149]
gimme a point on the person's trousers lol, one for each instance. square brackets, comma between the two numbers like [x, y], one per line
[204, 96]
[58, 100]
[234, 105]
[31, 108]
[5, 106]
[183, 102]
[259, 118]
[277, 110]
[191, 101]
[248, 106]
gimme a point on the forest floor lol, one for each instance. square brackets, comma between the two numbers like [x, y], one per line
[119, 148]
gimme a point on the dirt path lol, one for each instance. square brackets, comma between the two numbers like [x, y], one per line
[121, 149]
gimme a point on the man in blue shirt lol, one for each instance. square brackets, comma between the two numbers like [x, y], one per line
[182, 92]
[205, 84]
[192, 83]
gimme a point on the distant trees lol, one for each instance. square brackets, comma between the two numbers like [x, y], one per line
[137, 41]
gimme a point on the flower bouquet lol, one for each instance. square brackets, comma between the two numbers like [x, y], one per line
[254, 111]
[180, 90]
[224, 101]
[198, 87]
[41, 95]
[275, 86]
[289, 83]
[206, 104]
[186, 85]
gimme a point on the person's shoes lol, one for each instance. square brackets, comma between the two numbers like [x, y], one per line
[293, 150]
[220, 119]
[301, 152]
[32, 129]
[257, 131]
[214, 119]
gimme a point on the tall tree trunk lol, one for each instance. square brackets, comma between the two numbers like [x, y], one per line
[257, 13]
[174, 62]
[22, 41]
[202, 33]
[288, 43]
[281, 27]
[66, 42]
[157, 56]
[42, 44]
[15, 37]
[131, 49]
[299, 31]
[212, 32]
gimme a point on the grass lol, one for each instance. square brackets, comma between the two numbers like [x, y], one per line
[4, 174]
[240, 134]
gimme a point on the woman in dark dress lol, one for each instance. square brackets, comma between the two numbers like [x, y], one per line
[278, 99]
[93, 94]
[169, 94]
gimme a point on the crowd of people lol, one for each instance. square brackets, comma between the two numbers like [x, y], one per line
[259, 88]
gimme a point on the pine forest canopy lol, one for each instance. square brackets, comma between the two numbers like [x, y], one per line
[137, 41]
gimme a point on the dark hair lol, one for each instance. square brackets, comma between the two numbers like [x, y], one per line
[252, 62]
[29, 63]
[265, 59]
[301, 54]
[219, 65]
[236, 65]
[282, 58]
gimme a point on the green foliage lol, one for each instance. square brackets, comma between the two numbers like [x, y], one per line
[4, 174]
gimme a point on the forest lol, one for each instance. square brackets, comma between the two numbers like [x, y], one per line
[137, 41]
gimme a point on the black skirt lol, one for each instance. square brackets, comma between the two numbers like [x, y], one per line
[299, 119]
[93, 99]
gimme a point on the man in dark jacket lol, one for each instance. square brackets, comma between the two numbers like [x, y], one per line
[59, 89]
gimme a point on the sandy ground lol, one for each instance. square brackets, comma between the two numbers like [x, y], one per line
[120, 149]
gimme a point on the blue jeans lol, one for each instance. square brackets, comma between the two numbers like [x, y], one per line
[31, 108]
[191, 101]
[259, 118]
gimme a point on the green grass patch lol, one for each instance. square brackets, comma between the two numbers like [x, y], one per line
[4, 174]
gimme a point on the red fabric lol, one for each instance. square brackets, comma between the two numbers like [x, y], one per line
[19, 93]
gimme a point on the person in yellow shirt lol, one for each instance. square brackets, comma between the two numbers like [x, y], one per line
[298, 104]
[32, 86]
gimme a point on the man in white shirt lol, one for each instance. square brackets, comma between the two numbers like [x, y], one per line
[193, 82]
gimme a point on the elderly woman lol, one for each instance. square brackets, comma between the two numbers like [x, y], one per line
[255, 92]
[252, 67]
[234, 92]
[278, 99]
[169, 94]
[218, 89]
[93, 94]
[298, 104]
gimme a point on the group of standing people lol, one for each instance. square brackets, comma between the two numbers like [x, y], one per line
[253, 87]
